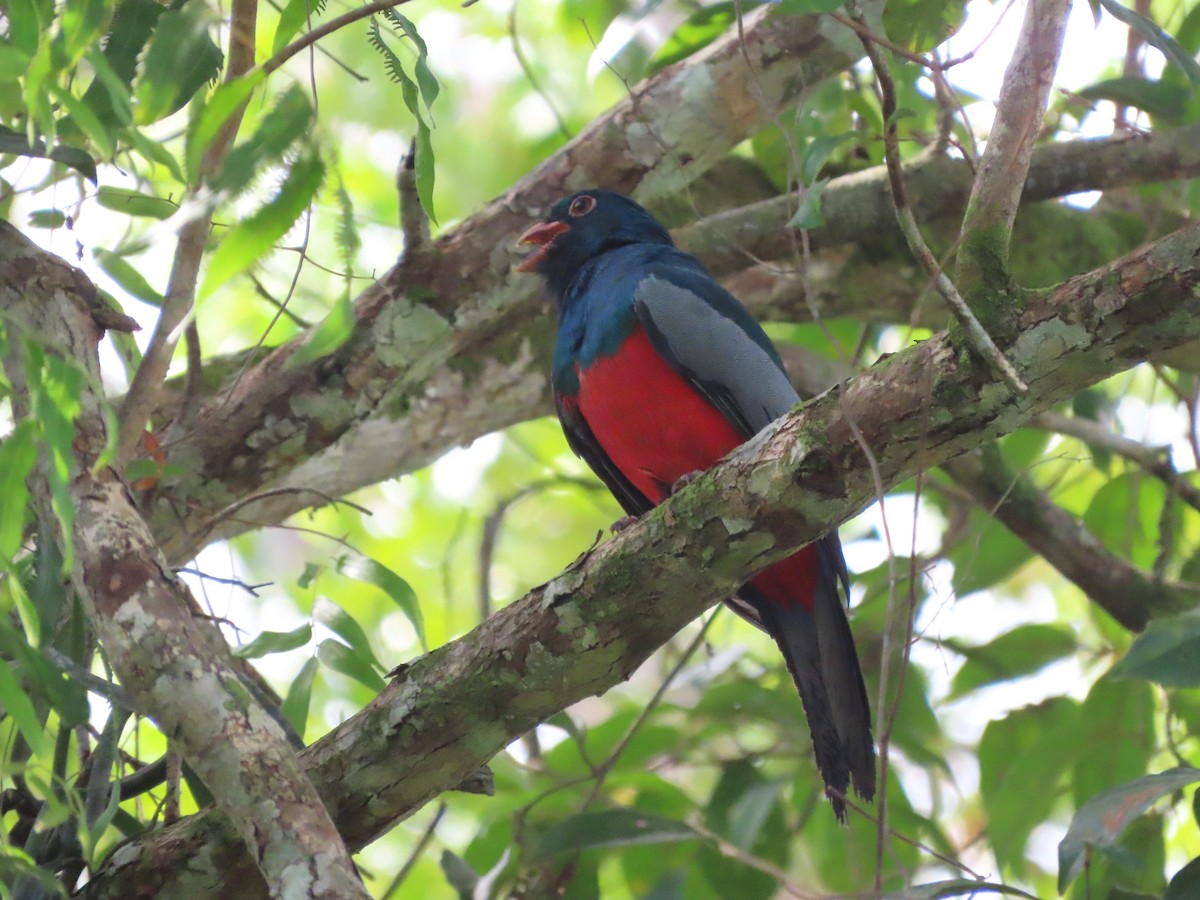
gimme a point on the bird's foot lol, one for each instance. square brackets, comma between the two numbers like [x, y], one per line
[684, 481]
[622, 523]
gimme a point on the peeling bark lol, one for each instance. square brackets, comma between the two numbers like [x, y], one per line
[590, 627]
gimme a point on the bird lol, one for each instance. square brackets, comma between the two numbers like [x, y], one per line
[658, 372]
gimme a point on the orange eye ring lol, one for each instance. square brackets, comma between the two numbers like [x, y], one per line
[582, 205]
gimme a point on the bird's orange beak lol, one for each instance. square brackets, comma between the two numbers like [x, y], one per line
[543, 234]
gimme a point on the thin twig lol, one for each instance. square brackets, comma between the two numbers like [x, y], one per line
[761, 865]
[311, 37]
[979, 339]
[602, 771]
[534, 83]
[219, 517]
[405, 869]
[109, 690]
[251, 589]
[176, 310]
[948, 860]
[1155, 460]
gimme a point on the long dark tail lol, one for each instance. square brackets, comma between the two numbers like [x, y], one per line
[819, 650]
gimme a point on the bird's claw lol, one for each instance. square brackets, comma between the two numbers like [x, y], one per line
[622, 523]
[684, 481]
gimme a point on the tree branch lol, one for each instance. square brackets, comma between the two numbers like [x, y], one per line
[175, 314]
[857, 208]
[977, 336]
[1114, 584]
[1155, 460]
[173, 665]
[588, 629]
[485, 366]
[987, 226]
[408, 347]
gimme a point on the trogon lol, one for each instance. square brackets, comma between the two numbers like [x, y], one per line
[659, 372]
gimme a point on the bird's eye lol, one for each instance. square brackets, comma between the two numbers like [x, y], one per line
[582, 205]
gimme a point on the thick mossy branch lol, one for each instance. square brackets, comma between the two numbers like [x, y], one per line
[592, 626]
[397, 396]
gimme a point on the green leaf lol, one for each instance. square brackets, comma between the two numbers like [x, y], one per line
[1019, 652]
[80, 25]
[31, 622]
[134, 203]
[1125, 513]
[109, 95]
[609, 828]
[1101, 821]
[1156, 37]
[74, 158]
[299, 696]
[807, 7]
[956, 887]
[328, 336]
[412, 95]
[749, 813]
[289, 120]
[56, 385]
[155, 152]
[275, 642]
[818, 151]
[226, 100]
[988, 554]
[47, 218]
[28, 21]
[292, 18]
[425, 80]
[1158, 98]
[1117, 736]
[13, 63]
[1167, 652]
[18, 454]
[1185, 885]
[17, 705]
[129, 278]
[1022, 759]
[1023, 447]
[179, 60]
[726, 814]
[346, 234]
[247, 241]
[341, 658]
[809, 213]
[85, 119]
[18, 144]
[347, 628]
[423, 165]
[700, 29]
[371, 571]
[459, 874]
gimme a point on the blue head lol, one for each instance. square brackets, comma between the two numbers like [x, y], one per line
[580, 228]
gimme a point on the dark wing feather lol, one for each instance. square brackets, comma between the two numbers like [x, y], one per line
[583, 442]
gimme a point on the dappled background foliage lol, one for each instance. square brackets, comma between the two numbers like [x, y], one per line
[1018, 703]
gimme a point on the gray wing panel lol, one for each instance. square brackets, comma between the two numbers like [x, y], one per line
[734, 372]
